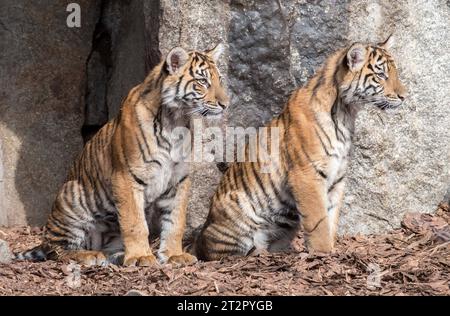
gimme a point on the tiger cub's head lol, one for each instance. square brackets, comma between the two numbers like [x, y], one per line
[372, 76]
[194, 83]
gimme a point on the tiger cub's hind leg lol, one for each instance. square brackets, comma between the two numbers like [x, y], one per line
[224, 239]
[67, 235]
[228, 232]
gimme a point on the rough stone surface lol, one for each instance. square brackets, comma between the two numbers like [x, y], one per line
[42, 82]
[5, 253]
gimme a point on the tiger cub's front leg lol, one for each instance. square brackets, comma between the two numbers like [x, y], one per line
[335, 200]
[310, 193]
[133, 225]
[172, 206]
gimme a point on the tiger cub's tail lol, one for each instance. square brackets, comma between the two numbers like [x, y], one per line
[38, 253]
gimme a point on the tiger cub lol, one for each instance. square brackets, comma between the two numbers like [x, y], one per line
[255, 210]
[126, 173]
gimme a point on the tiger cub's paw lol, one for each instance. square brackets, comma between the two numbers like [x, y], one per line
[320, 246]
[140, 261]
[185, 259]
[321, 249]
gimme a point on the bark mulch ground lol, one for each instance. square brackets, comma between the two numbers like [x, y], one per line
[412, 260]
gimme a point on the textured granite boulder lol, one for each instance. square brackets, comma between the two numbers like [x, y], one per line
[42, 82]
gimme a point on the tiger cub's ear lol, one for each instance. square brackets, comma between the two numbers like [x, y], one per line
[388, 43]
[356, 57]
[176, 59]
[216, 52]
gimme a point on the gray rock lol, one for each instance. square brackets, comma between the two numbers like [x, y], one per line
[42, 83]
[135, 293]
[6, 255]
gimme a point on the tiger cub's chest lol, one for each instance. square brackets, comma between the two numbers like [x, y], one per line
[338, 163]
[338, 148]
[167, 175]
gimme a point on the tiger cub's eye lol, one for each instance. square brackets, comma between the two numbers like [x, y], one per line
[203, 82]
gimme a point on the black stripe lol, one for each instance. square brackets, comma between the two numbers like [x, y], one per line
[183, 179]
[186, 85]
[258, 179]
[317, 225]
[251, 194]
[88, 176]
[81, 195]
[274, 187]
[224, 233]
[246, 188]
[321, 142]
[323, 145]
[70, 202]
[165, 211]
[167, 220]
[185, 97]
[323, 131]
[320, 172]
[191, 71]
[359, 77]
[218, 241]
[135, 177]
[100, 188]
[168, 194]
[334, 110]
[143, 153]
[55, 234]
[178, 84]
[157, 122]
[234, 174]
[65, 229]
[371, 86]
[366, 77]
[335, 183]
[143, 136]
